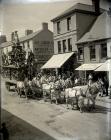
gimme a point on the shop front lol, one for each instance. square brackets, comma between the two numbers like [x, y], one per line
[61, 63]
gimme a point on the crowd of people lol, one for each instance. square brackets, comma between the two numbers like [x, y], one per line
[67, 81]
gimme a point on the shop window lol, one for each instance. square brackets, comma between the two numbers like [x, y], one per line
[69, 44]
[58, 27]
[68, 23]
[92, 53]
[59, 46]
[103, 50]
[80, 53]
[64, 45]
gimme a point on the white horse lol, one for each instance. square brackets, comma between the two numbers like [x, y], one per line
[84, 95]
[50, 92]
[46, 91]
[20, 88]
[73, 95]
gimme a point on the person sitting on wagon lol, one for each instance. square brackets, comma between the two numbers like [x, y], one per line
[106, 85]
[76, 82]
[90, 78]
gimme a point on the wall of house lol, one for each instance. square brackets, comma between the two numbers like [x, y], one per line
[71, 35]
[98, 58]
[84, 22]
[80, 23]
[109, 48]
[25, 44]
[43, 46]
[65, 34]
[63, 25]
[109, 55]
[7, 49]
[86, 54]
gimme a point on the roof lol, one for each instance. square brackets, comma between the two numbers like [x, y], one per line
[101, 29]
[77, 7]
[88, 66]
[30, 36]
[27, 37]
[106, 66]
[57, 60]
[6, 44]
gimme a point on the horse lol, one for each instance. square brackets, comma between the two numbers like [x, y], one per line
[82, 94]
[20, 88]
[46, 91]
[72, 95]
[91, 94]
[23, 88]
[36, 87]
[50, 91]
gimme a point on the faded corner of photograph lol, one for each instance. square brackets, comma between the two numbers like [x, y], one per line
[55, 69]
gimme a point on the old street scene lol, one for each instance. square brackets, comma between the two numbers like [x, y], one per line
[55, 70]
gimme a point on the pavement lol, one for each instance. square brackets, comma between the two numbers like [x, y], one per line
[39, 120]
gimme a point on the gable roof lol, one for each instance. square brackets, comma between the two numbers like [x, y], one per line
[30, 36]
[27, 37]
[77, 7]
[6, 44]
[100, 30]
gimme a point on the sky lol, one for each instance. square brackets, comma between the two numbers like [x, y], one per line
[29, 14]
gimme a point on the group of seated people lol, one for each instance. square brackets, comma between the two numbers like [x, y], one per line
[62, 81]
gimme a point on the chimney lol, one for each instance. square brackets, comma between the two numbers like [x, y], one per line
[27, 32]
[3, 39]
[45, 26]
[96, 4]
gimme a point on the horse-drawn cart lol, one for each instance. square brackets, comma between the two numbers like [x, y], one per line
[10, 76]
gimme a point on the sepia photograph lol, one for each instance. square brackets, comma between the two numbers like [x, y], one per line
[55, 69]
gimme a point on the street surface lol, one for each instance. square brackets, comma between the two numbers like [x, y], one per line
[39, 120]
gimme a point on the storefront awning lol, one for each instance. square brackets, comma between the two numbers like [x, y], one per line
[57, 60]
[89, 66]
[105, 66]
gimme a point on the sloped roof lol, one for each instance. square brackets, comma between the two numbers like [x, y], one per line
[6, 44]
[57, 60]
[100, 30]
[27, 37]
[77, 7]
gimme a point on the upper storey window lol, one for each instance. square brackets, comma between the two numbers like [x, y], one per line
[59, 46]
[103, 50]
[69, 23]
[58, 27]
[69, 44]
[92, 53]
[64, 45]
[80, 53]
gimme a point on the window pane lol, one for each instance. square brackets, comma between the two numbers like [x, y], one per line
[92, 52]
[59, 46]
[69, 23]
[58, 27]
[69, 44]
[64, 45]
[103, 50]
[80, 53]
